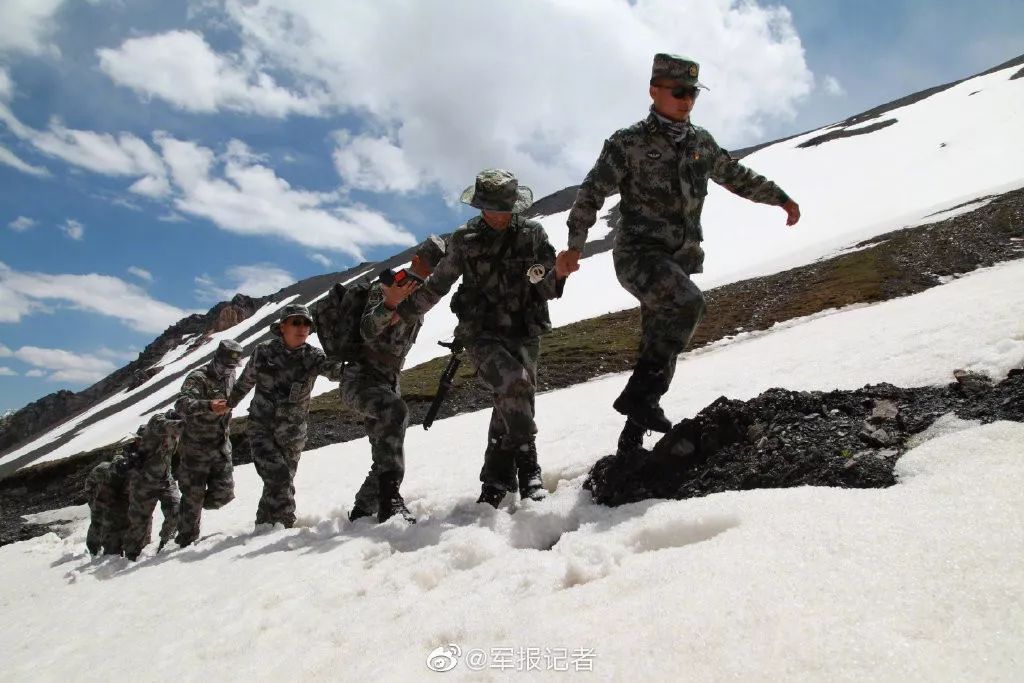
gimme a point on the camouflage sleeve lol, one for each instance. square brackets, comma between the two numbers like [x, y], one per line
[550, 287]
[245, 381]
[328, 367]
[742, 181]
[602, 181]
[448, 270]
[376, 316]
[191, 400]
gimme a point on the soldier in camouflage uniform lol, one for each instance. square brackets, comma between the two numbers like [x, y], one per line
[283, 371]
[205, 471]
[152, 480]
[661, 166]
[508, 274]
[106, 490]
[370, 387]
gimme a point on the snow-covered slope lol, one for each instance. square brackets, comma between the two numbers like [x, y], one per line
[952, 147]
[920, 581]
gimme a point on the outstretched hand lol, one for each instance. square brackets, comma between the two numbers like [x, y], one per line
[219, 406]
[792, 210]
[396, 294]
[567, 262]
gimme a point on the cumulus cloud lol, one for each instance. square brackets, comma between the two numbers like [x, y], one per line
[181, 68]
[833, 86]
[22, 293]
[21, 224]
[7, 372]
[254, 280]
[27, 26]
[244, 196]
[141, 273]
[4, 351]
[464, 85]
[35, 373]
[73, 229]
[59, 365]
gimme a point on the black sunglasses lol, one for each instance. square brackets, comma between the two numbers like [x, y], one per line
[300, 322]
[682, 91]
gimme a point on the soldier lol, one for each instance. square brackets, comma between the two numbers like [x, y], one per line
[660, 166]
[370, 386]
[283, 370]
[508, 273]
[152, 480]
[106, 490]
[205, 471]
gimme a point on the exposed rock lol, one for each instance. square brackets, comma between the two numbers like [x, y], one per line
[722, 448]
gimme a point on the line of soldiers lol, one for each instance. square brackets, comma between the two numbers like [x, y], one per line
[659, 166]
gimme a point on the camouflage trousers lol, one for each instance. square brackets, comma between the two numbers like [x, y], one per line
[508, 369]
[378, 398]
[108, 512]
[206, 478]
[144, 493]
[671, 307]
[276, 462]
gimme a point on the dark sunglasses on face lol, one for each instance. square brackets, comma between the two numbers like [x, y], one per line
[300, 322]
[682, 91]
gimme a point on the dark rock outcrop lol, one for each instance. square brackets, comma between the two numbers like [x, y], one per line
[849, 439]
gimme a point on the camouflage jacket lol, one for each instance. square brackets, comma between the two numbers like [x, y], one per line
[385, 340]
[154, 450]
[202, 428]
[496, 295]
[284, 380]
[662, 185]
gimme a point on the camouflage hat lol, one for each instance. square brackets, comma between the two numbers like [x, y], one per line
[290, 311]
[673, 67]
[228, 353]
[432, 250]
[498, 190]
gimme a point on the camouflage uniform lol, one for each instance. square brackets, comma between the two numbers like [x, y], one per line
[370, 386]
[278, 414]
[661, 170]
[502, 314]
[152, 480]
[205, 471]
[106, 489]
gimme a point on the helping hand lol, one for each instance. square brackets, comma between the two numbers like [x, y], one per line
[219, 406]
[792, 210]
[567, 262]
[396, 294]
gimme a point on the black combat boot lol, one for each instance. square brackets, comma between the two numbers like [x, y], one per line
[638, 400]
[390, 502]
[491, 495]
[632, 437]
[358, 512]
[531, 486]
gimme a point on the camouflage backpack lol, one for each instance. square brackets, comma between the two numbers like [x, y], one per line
[337, 317]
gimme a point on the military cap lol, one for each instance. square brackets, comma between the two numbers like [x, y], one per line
[228, 353]
[498, 190]
[290, 311]
[673, 67]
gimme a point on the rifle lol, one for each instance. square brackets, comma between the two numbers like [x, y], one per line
[447, 379]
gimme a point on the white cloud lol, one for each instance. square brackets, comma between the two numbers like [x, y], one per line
[11, 159]
[249, 198]
[463, 85]
[375, 164]
[181, 68]
[6, 86]
[73, 229]
[21, 224]
[4, 351]
[171, 217]
[321, 259]
[7, 372]
[22, 293]
[65, 366]
[28, 25]
[833, 86]
[153, 186]
[35, 373]
[141, 273]
[254, 280]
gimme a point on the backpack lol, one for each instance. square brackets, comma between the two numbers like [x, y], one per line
[337, 317]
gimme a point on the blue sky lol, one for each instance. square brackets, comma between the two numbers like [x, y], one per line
[156, 157]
